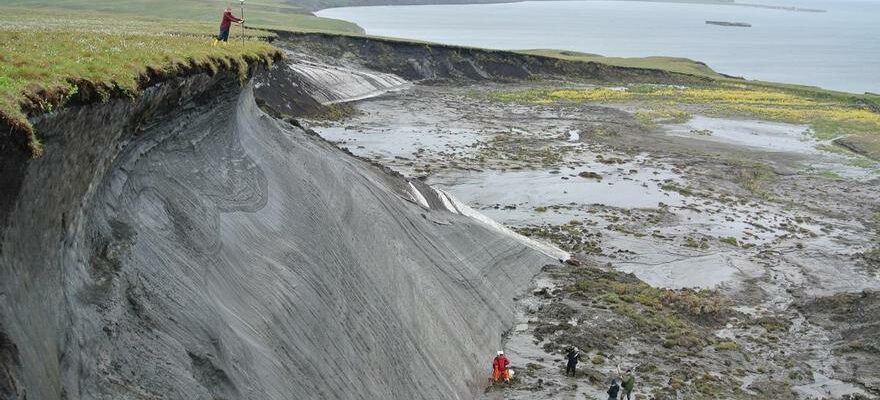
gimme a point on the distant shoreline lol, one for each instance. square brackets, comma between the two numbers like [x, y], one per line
[725, 23]
[474, 2]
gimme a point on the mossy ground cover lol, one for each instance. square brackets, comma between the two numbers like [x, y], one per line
[679, 318]
[46, 58]
[662, 115]
[673, 331]
[830, 115]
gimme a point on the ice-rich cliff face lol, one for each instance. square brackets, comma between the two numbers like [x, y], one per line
[187, 246]
[302, 85]
[330, 84]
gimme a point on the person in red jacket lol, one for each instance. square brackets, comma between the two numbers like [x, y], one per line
[499, 367]
[225, 24]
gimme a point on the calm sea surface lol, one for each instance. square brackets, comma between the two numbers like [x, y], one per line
[838, 49]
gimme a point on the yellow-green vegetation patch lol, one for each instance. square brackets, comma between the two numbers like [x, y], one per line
[726, 345]
[672, 186]
[572, 237]
[752, 176]
[774, 324]
[42, 66]
[701, 243]
[662, 115]
[729, 240]
[830, 115]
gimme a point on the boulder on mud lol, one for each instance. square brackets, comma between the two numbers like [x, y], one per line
[590, 175]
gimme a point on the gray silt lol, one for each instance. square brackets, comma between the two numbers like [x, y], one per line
[183, 247]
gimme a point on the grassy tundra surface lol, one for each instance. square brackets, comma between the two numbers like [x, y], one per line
[672, 64]
[831, 115]
[275, 14]
[48, 57]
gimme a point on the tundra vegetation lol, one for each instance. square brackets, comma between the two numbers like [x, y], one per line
[47, 58]
[830, 115]
[274, 14]
[679, 325]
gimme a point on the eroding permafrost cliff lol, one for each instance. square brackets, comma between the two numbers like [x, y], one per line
[185, 245]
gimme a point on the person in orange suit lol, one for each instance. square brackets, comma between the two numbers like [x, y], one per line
[499, 367]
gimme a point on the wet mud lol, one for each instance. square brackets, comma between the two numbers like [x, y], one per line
[731, 252]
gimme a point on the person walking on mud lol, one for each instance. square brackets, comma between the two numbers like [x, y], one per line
[629, 382]
[499, 368]
[225, 24]
[613, 390]
[573, 357]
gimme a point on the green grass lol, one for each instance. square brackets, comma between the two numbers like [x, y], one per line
[672, 64]
[275, 14]
[46, 57]
[726, 345]
[729, 240]
[675, 187]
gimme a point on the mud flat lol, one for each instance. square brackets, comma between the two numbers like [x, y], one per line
[718, 255]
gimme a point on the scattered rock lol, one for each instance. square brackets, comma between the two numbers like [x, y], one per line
[590, 175]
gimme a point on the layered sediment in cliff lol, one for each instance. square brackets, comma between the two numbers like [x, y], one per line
[438, 62]
[187, 245]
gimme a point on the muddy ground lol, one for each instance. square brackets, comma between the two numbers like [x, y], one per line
[720, 258]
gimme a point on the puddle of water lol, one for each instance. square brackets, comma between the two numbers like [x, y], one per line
[528, 189]
[824, 387]
[689, 270]
[402, 141]
[728, 221]
[771, 136]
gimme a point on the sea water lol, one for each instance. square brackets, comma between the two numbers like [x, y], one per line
[836, 49]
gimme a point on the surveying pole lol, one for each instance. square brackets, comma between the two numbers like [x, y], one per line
[242, 23]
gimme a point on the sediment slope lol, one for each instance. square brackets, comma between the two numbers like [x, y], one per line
[185, 245]
[302, 85]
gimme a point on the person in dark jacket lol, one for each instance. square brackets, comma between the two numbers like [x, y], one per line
[225, 24]
[573, 357]
[613, 390]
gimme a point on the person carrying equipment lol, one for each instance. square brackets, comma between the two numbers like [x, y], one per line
[225, 24]
[629, 382]
[499, 367]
